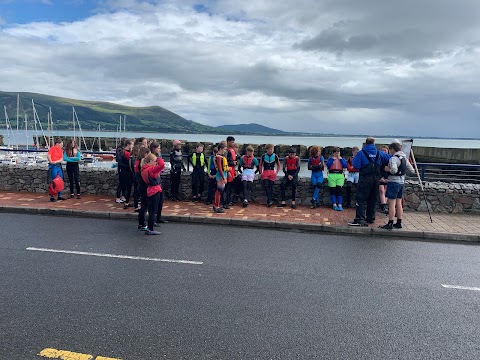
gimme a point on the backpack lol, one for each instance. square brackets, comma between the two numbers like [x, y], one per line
[372, 168]
[402, 169]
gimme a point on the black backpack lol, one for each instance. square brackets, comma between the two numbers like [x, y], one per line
[371, 169]
[402, 169]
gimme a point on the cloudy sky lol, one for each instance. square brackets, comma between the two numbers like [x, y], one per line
[407, 67]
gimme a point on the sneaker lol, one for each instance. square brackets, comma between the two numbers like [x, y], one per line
[388, 226]
[78, 196]
[157, 223]
[335, 207]
[245, 204]
[293, 206]
[118, 201]
[356, 223]
[339, 208]
[53, 199]
[226, 207]
[281, 205]
[370, 221]
[143, 228]
[122, 199]
[72, 196]
[269, 204]
[152, 232]
[126, 206]
[218, 210]
[397, 225]
[384, 208]
[61, 198]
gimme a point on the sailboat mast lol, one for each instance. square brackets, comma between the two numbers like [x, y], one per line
[73, 119]
[26, 130]
[18, 109]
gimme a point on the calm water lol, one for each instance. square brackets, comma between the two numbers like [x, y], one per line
[341, 141]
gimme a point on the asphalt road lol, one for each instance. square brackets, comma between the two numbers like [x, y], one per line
[249, 293]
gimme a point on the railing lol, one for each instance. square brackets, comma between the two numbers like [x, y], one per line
[461, 173]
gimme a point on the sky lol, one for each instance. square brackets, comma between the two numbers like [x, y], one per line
[376, 67]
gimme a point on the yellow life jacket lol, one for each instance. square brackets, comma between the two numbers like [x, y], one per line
[224, 163]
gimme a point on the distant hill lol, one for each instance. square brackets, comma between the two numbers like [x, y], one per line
[92, 113]
[252, 129]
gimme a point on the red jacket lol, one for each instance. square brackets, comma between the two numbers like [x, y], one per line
[151, 177]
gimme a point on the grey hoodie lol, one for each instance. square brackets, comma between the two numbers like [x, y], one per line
[394, 164]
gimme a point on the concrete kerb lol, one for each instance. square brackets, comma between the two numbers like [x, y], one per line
[316, 228]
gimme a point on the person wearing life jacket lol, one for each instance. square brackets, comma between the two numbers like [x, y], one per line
[176, 162]
[316, 166]
[231, 157]
[336, 179]
[152, 167]
[398, 167]
[291, 168]
[55, 158]
[142, 187]
[197, 160]
[352, 177]
[222, 168]
[246, 167]
[269, 168]
[211, 172]
[368, 162]
[72, 156]
[156, 150]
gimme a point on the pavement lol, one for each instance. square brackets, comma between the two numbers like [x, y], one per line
[416, 225]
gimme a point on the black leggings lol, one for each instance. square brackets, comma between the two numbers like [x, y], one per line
[73, 173]
[175, 178]
[153, 202]
[247, 187]
[160, 207]
[268, 184]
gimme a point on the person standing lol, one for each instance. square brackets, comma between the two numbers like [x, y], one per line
[55, 157]
[151, 170]
[221, 165]
[197, 160]
[231, 157]
[142, 187]
[246, 166]
[352, 177]
[269, 168]
[156, 150]
[212, 172]
[316, 166]
[72, 156]
[127, 173]
[368, 162]
[336, 179]
[397, 167]
[176, 162]
[382, 188]
[118, 158]
[291, 168]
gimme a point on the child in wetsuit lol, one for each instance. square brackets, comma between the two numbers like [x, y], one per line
[246, 166]
[197, 160]
[291, 168]
[176, 162]
[316, 165]
[336, 179]
[212, 172]
[269, 167]
[352, 177]
[222, 168]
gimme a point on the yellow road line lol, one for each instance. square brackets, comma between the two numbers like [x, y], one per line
[69, 355]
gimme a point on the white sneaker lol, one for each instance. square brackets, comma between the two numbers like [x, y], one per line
[119, 201]
[122, 199]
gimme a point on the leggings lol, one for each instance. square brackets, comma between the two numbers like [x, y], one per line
[317, 181]
[285, 182]
[153, 202]
[142, 190]
[219, 193]
[175, 178]
[73, 172]
[247, 187]
[268, 184]
[336, 195]
[160, 207]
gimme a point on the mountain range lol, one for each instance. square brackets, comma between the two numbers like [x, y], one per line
[93, 113]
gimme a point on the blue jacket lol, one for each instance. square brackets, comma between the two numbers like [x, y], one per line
[360, 160]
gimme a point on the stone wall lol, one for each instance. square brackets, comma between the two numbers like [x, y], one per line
[440, 197]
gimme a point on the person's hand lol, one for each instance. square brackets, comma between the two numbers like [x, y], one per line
[290, 177]
[224, 181]
[387, 168]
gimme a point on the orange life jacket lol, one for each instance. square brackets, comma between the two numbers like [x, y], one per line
[336, 166]
[56, 186]
[291, 164]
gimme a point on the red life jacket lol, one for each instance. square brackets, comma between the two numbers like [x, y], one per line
[232, 161]
[350, 167]
[291, 164]
[56, 186]
[316, 161]
[247, 162]
[336, 166]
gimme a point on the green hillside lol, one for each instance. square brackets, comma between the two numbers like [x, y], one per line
[92, 113]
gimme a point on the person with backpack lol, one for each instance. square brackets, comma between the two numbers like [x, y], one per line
[211, 172]
[55, 158]
[368, 162]
[397, 167]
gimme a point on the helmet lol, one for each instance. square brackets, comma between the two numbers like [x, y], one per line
[176, 142]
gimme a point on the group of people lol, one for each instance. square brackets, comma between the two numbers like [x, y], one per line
[231, 175]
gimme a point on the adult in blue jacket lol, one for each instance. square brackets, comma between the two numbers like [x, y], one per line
[368, 161]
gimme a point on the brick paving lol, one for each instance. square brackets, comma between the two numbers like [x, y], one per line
[413, 221]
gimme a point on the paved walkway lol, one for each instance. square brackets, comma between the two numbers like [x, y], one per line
[416, 224]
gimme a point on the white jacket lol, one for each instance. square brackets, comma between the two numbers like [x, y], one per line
[394, 163]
